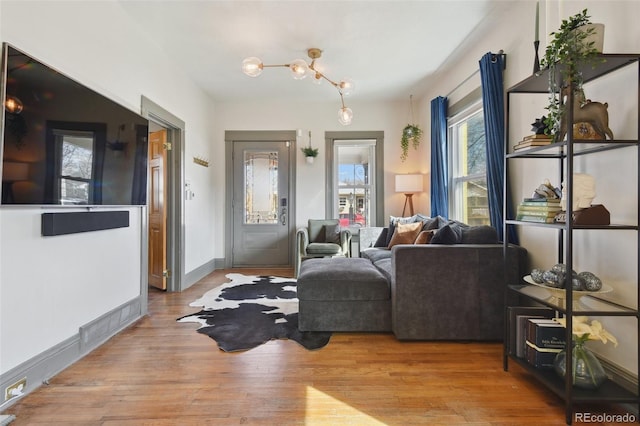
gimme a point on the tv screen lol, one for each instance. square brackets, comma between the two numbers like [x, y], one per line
[65, 144]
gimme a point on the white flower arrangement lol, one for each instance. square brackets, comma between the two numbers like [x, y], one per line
[583, 331]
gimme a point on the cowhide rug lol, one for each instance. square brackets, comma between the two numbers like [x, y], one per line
[251, 310]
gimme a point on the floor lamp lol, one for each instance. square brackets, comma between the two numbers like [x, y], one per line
[408, 185]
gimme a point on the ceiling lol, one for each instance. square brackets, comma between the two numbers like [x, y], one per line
[389, 48]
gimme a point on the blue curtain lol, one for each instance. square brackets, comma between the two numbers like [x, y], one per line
[439, 172]
[491, 66]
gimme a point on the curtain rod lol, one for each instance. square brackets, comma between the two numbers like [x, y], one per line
[494, 57]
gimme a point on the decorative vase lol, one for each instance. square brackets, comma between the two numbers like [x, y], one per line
[310, 159]
[587, 370]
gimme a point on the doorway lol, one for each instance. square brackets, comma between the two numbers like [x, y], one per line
[165, 210]
[260, 208]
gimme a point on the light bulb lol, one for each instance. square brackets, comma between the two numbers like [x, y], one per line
[345, 115]
[317, 77]
[347, 86]
[298, 69]
[13, 105]
[252, 66]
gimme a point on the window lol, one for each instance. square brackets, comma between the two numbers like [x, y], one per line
[468, 197]
[354, 165]
[354, 162]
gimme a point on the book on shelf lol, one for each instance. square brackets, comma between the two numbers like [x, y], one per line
[540, 202]
[537, 219]
[542, 212]
[536, 136]
[544, 339]
[539, 208]
[519, 316]
[528, 144]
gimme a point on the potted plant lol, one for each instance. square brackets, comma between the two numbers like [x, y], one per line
[571, 47]
[310, 153]
[410, 134]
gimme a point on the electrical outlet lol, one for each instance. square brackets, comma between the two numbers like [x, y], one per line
[15, 389]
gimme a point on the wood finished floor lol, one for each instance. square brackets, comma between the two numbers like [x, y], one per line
[161, 372]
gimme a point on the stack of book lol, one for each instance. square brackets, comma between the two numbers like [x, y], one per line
[541, 210]
[533, 140]
[544, 339]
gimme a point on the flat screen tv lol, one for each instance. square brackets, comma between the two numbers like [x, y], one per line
[65, 144]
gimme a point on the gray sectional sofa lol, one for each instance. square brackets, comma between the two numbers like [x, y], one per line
[453, 289]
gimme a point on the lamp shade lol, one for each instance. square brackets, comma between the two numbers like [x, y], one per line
[409, 184]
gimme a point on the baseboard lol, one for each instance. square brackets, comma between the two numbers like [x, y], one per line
[200, 272]
[103, 328]
[39, 369]
[624, 378]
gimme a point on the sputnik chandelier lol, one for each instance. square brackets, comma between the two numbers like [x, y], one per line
[300, 69]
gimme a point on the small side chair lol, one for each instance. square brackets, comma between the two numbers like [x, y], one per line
[321, 238]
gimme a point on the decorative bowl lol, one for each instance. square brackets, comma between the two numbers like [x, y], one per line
[560, 293]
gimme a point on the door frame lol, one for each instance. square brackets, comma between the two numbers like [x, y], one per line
[175, 206]
[231, 136]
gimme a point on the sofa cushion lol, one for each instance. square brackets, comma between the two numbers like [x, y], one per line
[325, 249]
[316, 229]
[405, 233]
[448, 234]
[341, 279]
[384, 266]
[393, 223]
[332, 233]
[424, 237]
[382, 240]
[374, 254]
[482, 234]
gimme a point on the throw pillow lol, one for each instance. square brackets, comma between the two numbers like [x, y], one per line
[448, 234]
[481, 234]
[382, 238]
[424, 237]
[405, 233]
[332, 234]
[393, 223]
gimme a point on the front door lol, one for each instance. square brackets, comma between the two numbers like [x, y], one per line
[260, 206]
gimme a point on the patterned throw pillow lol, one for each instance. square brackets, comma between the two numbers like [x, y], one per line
[405, 233]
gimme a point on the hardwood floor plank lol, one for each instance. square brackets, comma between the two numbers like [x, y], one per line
[162, 372]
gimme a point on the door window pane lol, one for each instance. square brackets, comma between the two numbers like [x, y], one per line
[261, 187]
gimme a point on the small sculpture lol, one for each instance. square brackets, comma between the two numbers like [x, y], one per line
[539, 126]
[546, 190]
[584, 191]
[586, 111]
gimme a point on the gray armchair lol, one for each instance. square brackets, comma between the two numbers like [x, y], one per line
[321, 238]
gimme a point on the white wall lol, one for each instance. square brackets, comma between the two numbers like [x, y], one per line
[49, 287]
[611, 256]
[318, 118]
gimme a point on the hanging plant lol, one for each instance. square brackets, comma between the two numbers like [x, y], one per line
[411, 134]
[308, 151]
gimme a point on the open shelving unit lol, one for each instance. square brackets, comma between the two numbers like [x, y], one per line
[564, 154]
